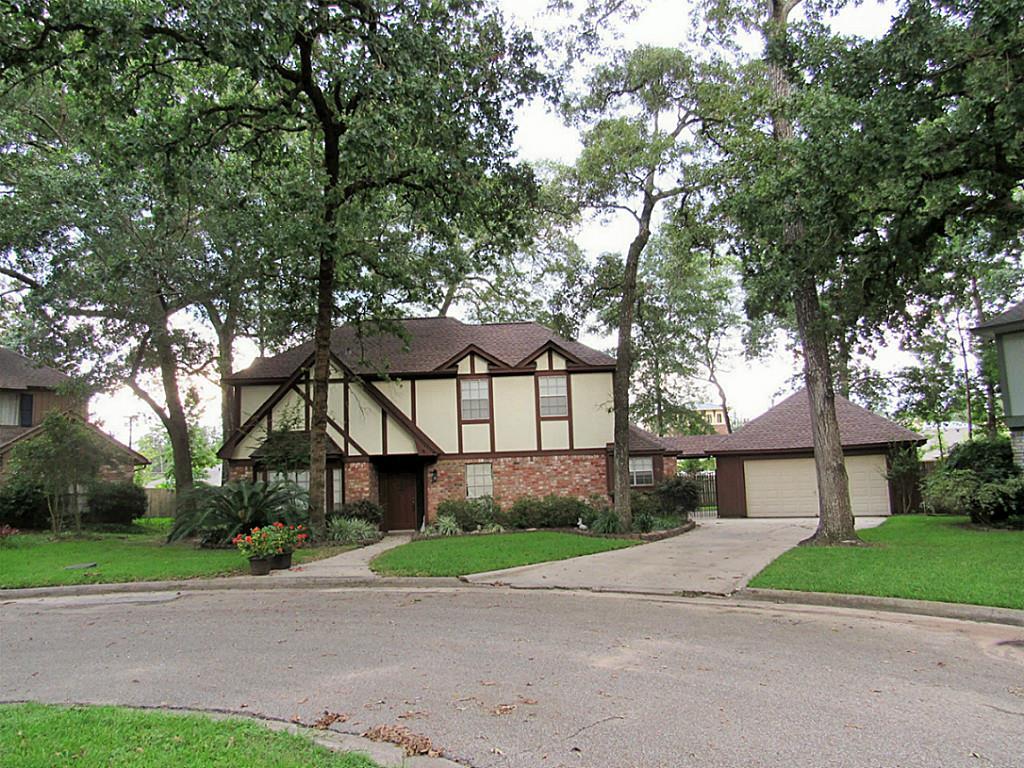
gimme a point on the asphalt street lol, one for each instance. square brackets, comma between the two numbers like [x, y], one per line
[513, 678]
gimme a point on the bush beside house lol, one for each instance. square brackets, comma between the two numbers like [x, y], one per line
[978, 479]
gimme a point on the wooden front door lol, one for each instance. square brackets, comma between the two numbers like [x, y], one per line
[399, 492]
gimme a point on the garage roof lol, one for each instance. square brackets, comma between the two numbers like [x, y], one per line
[787, 427]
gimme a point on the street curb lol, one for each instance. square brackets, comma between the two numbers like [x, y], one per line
[981, 613]
[227, 583]
[384, 753]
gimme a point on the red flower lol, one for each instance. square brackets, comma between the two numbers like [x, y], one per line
[279, 525]
[248, 539]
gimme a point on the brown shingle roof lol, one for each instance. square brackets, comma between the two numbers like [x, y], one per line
[431, 342]
[787, 427]
[1012, 316]
[693, 446]
[642, 441]
[18, 372]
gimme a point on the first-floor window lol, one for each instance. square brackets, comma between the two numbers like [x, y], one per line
[479, 481]
[641, 470]
[337, 481]
[300, 477]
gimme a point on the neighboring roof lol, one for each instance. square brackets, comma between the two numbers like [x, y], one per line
[18, 372]
[1011, 317]
[693, 446]
[430, 344]
[787, 427]
[7, 439]
[642, 441]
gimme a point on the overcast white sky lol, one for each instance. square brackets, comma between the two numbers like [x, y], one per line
[752, 387]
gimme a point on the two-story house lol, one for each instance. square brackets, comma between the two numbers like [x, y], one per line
[28, 392]
[447, 410]
[714, 415]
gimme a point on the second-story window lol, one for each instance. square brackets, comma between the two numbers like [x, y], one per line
[476, 401]
[554, 396]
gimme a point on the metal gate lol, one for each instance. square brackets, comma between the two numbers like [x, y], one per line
[707, 507]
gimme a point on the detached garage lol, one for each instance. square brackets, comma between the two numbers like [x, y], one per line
[766, 469]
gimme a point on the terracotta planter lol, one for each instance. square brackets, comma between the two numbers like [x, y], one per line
[281, 562]
[260, 566]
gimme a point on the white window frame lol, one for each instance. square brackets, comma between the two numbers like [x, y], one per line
[554, 404]
[469, 407]
[640, 468]
[298, 477]
[479, 480]
[10, 409]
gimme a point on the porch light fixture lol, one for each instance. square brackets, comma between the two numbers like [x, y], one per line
[433, 476]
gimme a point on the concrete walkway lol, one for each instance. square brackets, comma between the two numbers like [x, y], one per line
[718, 557]
[354, 564]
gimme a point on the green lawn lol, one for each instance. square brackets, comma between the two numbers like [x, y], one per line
[37, 736]
[918, 557]
[459, 555]
[36, 560]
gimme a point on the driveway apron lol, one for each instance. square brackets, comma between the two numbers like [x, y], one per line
[718, 557]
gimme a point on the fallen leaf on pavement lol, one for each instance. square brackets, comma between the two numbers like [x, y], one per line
[328, 718]
[412, 743]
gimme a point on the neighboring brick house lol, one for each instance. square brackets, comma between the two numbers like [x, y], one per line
[28, 393]
[447, 410]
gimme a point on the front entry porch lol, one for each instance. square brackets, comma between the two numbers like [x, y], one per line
[402, 492]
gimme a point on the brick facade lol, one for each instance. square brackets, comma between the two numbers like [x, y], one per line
[239, 471]
[1017, 442]
[361, 482]
[669, 465]
[579, 474]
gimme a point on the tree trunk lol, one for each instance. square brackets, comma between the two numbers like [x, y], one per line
[968, 400]
[843, 366]
[659, 398]
[225, 327]
[624, 357]
[835, 513]
[174, 418]
[713, 378]
[980, 316]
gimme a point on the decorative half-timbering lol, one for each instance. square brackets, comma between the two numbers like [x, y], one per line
[442, 410]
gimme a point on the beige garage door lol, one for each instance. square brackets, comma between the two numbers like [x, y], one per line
[788, 487]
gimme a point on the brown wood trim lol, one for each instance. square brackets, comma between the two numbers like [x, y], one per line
[458, 410]
[412, 400]
[471, 349]
[490, 402]
[424, 445]
[536, 412]
[383, 431]
[551, 360]
[336, 425]
[472, 362]
[552, 345]
[483, 456]
[309, 401]
[237, 420]
[258, 415]
[345, 418]
[568, 398]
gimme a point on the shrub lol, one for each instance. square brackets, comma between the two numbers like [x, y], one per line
[644, 504]
[445, 525]
[364, 509]
[594, 507]
[115, 503]
[564, 511]
[23, 505]
[217, 515]
[550, 512]
[607, 522]
[990, 460]
[1000, 503]
[643, 522]
[679, 495]
[352, 530]
[949, 491]
[471, 514]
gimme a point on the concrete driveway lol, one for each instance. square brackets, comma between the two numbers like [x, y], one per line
[716, 558]
[511, 679]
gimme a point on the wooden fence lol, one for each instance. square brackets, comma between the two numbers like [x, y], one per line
[707, 508]
[160, 502]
